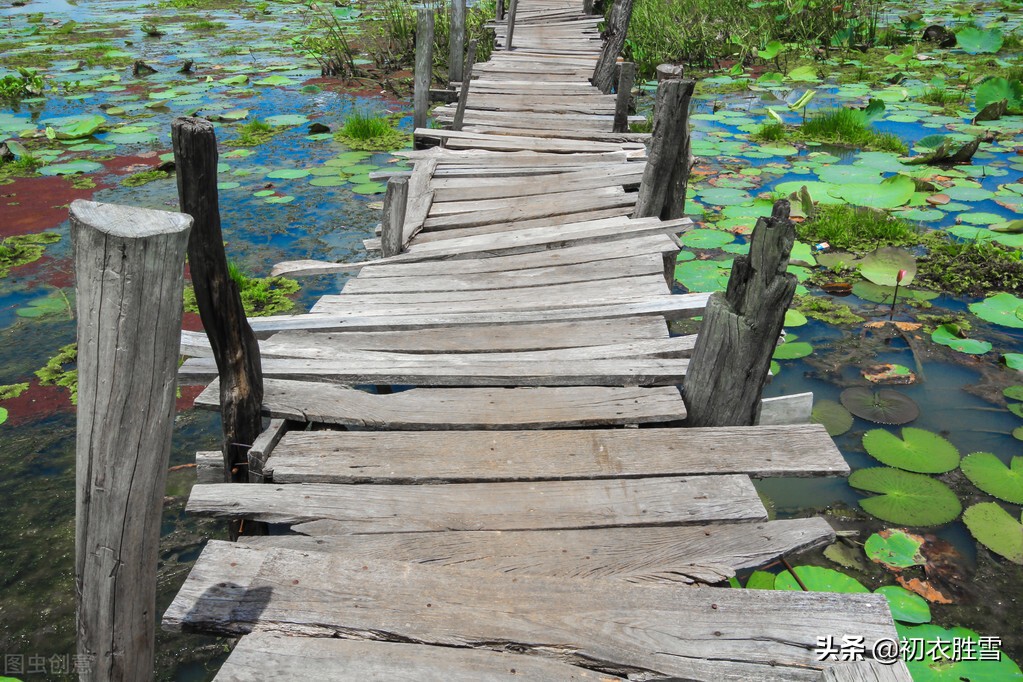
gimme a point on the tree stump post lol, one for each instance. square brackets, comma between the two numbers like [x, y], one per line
[513, 6]
[662, 192]
[393, 223]
[424, 67]
[463, 93]
[740, 329]
[129, 275]
[623, 96]
[220, 306]
[614, 41]
[456, 42]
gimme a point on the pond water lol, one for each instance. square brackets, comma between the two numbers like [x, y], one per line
[281, 200]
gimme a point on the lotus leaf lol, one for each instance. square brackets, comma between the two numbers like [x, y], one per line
[895, 548]
[1004, 309]
[369, 188]
[974, 40]
[3, 415]
[1013, 361]
[760, 580]
[771, 50]
[930, 663]
[80, 128]
[285, 199]
[946, 336]
[845, 555]
[286, 120]
[832, 416]
[883, 266]
[884, 406]
[989, 473]
[1017, 433]
[1014, 392]
[804, 74]
[792, 350]
[702, 275]
[918, 450]
[288, 173]
[906, 498]
[794, 318]
[70, 168]
[275, 80]
[906, 606]
[1016, 409]
[875, 293]
[819, 579]
[996, 529]
[329, 181]
[891, 193]
[724, 196]
[706, 239]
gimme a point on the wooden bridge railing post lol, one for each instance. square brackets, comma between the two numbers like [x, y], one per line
[424, 66]
[740, 328]
[588, 7]
[129, 274]
[614, 41]
[513, 7]
[623, 96]
[393, 223]
[662, 192]
[463, 93]
[456, 41]
[220, 306]
[499, 11]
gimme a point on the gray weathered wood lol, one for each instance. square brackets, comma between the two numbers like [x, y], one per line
[489, 506]
[614, 41]
[677, 554]
[393, 222]
[741, 327]
[464, 408]
[456, 41]
[428, 457]
[263, 446]
[786, 409]
[697, 634]
[623, 96]
[423, 73]
[209, 466]
[666, 177]
[866, 671]
[463, 91]
[509, 31]
[269, 656]
[420, 198]
[129, 275]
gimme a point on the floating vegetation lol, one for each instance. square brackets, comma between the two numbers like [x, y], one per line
[906, 498]
[818, 579]
[895, 548]
[1003, 309]
[830, 414]
[827, 310]
[144, 178]
[951, 335]
[996, 529]
[11, 391]
[368, 132]
[989, 473]
[254, 133]
[850, 228]
[27, 83]
[883, 406]
[918, 450]
[23, 249]
[970, 267]
[260, 296]
[57, 371]
[906, 607]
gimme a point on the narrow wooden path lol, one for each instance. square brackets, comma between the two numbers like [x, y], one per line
[490, 511]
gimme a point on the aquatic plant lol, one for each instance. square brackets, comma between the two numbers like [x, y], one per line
[144, 177]
[56, 371]
[253, 133]
[260, 295]
[990, 474]
[23, 249]
[882, 407]
[11, 391]
[369, 132]
[27, 83]
[826, 310]
[969, 267]
[906, 498]
[857, 229]
[918, 450]
[849, 127]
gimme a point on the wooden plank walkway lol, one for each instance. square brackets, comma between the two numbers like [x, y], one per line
[517, 497]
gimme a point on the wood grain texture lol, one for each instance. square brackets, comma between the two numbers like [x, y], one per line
[270, 656]
[693, 633]
[676, 554]
[532, 408]
[434, 457]
[489, 506]
[866, 671]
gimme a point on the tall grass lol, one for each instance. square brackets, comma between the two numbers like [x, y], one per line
[361, 125]
[858, 229]
[849, 127]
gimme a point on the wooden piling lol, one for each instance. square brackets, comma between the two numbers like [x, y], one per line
[740, 329]
[513, 7]
[588, 7]
[393, 223]
[499, 11]
[614, 41]
[456, 41]
[216, 293]
[129, 275]
[463, 93]
[424, 66]
[666, 176]
[623, 96]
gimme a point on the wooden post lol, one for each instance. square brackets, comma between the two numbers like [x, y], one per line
[463, 93]
[220, 306]
[740, 328]
[499, 10]
[588, 7]
[424, 66]
[666, 176]
[513, 7]
[614, 41]
[129, 274]
[623, 96]
[456, 41]
[393, 223]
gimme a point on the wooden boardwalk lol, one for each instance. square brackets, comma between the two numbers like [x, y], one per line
[492, 512]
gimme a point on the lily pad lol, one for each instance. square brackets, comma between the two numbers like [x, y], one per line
[888, 373]
[370, 188]
[884, 406]
[329, 181]
[760, 580]
[286, 120]
[284, 199]
[288, 173]
[946, 335]
[702, 275]
[81, 128]
[997, 89]
[996, 529]
[706, 239]
[1004, 309]
[1013, 361]
[70, 168]
[3, 415]
[989, 473]
[876, 293]
[931, 661]
[895, 548]
[884, 265]
[845, 555]
[832, 416]
[1014, 392]
[818, 579]
[794, 318]
[974, 40]
[918, 450]
[275, 80]
[905, 498]
[792, 350]
[891, 193]
[906, 606]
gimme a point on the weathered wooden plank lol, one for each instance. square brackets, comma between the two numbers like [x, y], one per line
[537, 132]
[270, 656]
[677, 554]
[264, 446]
[866, 671]
[697, 634]
[464, 192]
[502, 204]
[461, 370]
[483, 158]
[458, 140]
[489, 506]
[209, 466]
[463, 408]
[420, 198]
[786, 409]
[419, 457]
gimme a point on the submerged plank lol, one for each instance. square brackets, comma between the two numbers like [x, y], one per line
[693, 633]
[355, 457]
[488, 506]
[503, 408]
